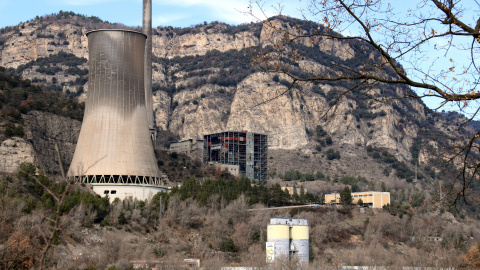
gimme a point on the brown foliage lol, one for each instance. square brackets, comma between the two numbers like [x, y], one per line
[20, 252]
[472, 258]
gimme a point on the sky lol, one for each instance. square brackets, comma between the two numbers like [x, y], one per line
[177, 13]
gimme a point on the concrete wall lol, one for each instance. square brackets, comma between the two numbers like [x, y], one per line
[125, 191]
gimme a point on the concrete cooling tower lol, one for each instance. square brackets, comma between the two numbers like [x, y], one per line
[115, 152]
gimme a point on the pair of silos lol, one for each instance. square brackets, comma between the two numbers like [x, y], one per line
[290, 238]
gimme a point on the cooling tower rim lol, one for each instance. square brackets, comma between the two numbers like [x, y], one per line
[116, 30]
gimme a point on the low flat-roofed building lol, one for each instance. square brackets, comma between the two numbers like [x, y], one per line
[373, 199]
[291, 191]
[191, 147]
[232, 169]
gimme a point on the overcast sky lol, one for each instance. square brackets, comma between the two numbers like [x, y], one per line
[179, 13]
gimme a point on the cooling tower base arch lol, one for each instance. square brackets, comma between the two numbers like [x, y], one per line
[119, 179]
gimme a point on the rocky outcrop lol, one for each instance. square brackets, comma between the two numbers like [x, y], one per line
[200, 111]
[200, 43]
[281, 118]
[41, 39]
[195, 105]
[13, 152]
[43, 131]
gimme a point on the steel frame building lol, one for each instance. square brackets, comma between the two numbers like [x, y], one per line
[248, 150]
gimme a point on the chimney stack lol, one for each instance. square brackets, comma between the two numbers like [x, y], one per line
[147, 30]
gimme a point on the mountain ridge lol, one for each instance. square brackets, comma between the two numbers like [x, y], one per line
[205, 82]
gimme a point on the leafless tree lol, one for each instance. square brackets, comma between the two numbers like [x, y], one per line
[431, 47]
[57, 219]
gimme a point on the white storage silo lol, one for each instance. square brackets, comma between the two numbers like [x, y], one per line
[300, 242]
[280, 235]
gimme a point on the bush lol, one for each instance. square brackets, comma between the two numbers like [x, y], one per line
[309, 176]
[292, 175]
[320, 175]
[331, 154]
[122, 220]
[9, 132]
[174, 105]
[228, 245]
[18, 131]
[320, 132]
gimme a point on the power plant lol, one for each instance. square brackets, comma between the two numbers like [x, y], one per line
[115, 152]
[287, 239]
[241, 152]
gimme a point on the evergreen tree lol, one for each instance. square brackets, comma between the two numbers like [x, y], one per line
[346, 196]
[360, 202]
[122, 220]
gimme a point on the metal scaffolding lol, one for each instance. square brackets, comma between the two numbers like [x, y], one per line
[246, 149]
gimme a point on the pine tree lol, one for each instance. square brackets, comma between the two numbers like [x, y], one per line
[346, 196]
[360, 202]
[122, 220]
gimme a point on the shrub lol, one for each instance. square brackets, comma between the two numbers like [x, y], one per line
[320, 175]
[320, 132]
[228, 245]
[174, 105]
[331, 154]
[309, 176]
[122, 220]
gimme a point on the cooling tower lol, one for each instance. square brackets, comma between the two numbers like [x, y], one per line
[114, 151]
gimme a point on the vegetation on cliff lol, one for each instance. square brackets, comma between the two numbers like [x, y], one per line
[18, 96]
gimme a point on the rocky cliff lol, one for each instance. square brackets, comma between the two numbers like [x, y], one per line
[205, 82]
[44, 132]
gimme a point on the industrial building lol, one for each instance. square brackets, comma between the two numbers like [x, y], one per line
[373, 199]
[191, 147]
[114, 152]
[247, 150]
[292, 190]
[287, 239]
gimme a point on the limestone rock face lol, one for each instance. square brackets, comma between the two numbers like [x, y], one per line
[43, 131]
[273, 31]
[200, 43]
[281, 118]
[192, 100]
[13, 152]
[161, 109]
[36, 40]
[200, 111]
